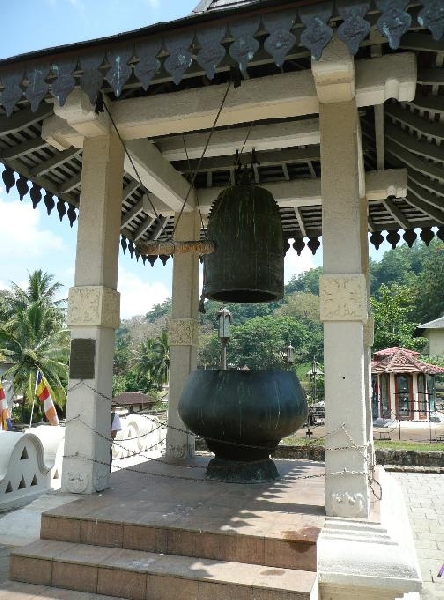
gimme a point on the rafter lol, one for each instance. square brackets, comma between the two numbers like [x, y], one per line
[289, 156]
[429, 210]
[286, 95]
[419, 124]
[158, 175]
[55, 161]
[397, 214]
[307, 192]
[24, 118]
[19, 150]
[413, 161]
[412, 144]
[225, 142]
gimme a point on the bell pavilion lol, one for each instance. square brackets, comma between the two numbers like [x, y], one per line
[337, 108]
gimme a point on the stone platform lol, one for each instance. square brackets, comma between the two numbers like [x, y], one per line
[164, 532]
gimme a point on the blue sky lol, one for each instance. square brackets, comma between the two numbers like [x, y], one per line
[29, 239]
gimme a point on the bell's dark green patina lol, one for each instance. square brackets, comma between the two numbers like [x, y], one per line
[242, 415]
[248, 262]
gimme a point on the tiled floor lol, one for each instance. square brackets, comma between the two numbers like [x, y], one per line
[286, 512]
[159, 492]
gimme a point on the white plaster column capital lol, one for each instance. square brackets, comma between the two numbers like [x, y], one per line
[334, 73]
[93, 306]
[343, 298]
[80, 114]
[184, 332]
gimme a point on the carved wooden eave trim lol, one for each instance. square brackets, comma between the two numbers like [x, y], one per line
[272, 40]
[188, 43]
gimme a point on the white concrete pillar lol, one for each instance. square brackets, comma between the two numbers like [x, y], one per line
[344, 310]
[184, 334]
[93, 316]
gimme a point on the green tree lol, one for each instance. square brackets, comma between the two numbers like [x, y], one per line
[305, 282]
[152, 361]
[160, 367]
[430, 285]
[392, 309]
[300, 305]
[159, 310]
[259, 343]
[34, 338]
[122, 352]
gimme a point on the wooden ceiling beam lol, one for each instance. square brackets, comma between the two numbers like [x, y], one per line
[55, 161]
[158, 175]
[131, 213]
[143, 228]
[431, 103]
[225, 142]
[397, 214]
[70, 184]
[300, 221]
[24, 118]
[419, 124]
[307, 192]
[289, 156]
[23, 148]
[423, 194]
[425, 182]
[413, 161]
[431, 76]
[413, 144]
[434, 213]
[129, 189]
[286, 95]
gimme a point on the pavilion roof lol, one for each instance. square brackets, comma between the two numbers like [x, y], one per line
[402, 360]
[133, 398]
[241, 41]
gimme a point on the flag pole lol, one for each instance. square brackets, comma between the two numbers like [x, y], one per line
[32, 411]
[32, 408]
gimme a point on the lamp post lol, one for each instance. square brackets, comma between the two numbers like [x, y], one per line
[224, 319]
[289, 354]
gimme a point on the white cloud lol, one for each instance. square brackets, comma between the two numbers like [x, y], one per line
[21, 234]
[137, 297]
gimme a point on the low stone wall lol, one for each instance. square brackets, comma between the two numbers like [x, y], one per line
[405, 458]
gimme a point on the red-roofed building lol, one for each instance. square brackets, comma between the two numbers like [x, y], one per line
[403, 387]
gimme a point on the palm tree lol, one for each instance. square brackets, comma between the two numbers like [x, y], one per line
[160, 369]
[153, 359]
[34, 337]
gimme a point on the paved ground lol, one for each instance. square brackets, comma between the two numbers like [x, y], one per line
[424, 495]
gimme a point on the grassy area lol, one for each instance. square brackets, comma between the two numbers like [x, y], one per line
[382, 445]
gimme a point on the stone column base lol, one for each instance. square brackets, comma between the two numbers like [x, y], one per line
[370, 559]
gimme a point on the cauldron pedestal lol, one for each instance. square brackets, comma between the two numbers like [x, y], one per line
[242, 415]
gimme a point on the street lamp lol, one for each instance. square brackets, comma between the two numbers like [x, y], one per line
[289, 354]
[224, 319]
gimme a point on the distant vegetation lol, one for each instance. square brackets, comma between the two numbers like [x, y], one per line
[407, 288]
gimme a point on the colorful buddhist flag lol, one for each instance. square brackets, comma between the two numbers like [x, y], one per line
[4, 410]
[44, 395]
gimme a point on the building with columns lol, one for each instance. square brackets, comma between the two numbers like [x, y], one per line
[337, 104]
[403, 386]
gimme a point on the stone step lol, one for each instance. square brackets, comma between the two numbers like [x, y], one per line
[292, 549]
[136, 575]
[15, 590]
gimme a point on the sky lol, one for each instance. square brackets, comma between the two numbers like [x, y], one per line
[29, 239]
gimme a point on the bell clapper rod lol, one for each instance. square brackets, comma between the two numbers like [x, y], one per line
[169, 248]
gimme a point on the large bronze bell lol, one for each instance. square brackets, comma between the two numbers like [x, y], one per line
[248, 262]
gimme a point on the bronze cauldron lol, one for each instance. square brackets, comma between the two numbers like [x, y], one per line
[243, 415]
